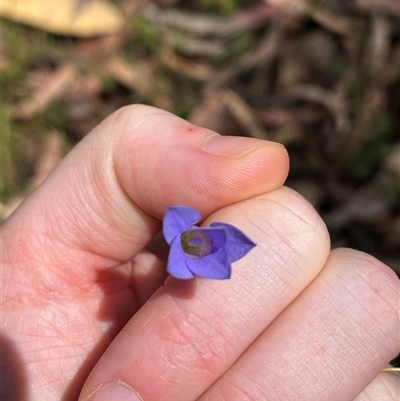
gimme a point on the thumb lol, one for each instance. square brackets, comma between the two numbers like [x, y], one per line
[104, 201]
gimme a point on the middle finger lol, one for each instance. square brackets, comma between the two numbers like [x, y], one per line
[190, 332]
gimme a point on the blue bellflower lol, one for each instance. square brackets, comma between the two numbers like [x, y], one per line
[201, 251]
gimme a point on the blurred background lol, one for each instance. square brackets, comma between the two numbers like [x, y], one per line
[320, 76]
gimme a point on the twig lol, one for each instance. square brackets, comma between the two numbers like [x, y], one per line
[206, 25]
[385, 6]
[138, 77]
[365, 203]
[59, 83]
[379, 44]
[200, 72]
[333, 101]
[48, 158]
[265, 52]
[211, 113]
[338, 24]
[195, 46]
[243, 114]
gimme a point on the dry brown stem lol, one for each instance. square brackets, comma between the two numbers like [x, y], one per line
[211, 113]
[263, 54]
[242, 112]
[333, 101]
[206, 25]
[48, 158]
[197, 71]
[383, 6]
[56, 86]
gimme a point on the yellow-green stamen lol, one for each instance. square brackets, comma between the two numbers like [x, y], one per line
[197, 243]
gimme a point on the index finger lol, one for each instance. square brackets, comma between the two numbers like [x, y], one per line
[103, 203]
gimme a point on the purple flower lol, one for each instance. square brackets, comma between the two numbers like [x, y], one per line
[201, 251]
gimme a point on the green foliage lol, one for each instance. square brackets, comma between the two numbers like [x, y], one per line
[235, 50]
[52, 118]
[17, 69]
[13, 161]
[377, 146]
[146, 35]
[183, 108]
[25, 48]
[224, 7]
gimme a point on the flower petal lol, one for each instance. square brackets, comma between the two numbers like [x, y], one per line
[218, 235]
[215, 265]
[177, 259]
[237, 243]
[178, 219]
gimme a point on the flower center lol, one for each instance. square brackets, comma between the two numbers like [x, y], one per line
[197, 243]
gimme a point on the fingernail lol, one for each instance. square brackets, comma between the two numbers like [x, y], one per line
[115, 392]
[233, 146]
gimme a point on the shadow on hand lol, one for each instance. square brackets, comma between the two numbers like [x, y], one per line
[13, 381]
[116, 308]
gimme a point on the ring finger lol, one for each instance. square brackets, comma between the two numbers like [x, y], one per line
[328, 344]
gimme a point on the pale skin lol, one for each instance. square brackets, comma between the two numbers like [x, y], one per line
[296, 321]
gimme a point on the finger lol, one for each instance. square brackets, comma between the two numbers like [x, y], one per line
[385, 387]
[329, 344]
[102, 204]
[148, 274]
[98, 209]
[189, 333]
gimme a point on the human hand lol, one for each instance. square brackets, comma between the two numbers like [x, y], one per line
[295, 321]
